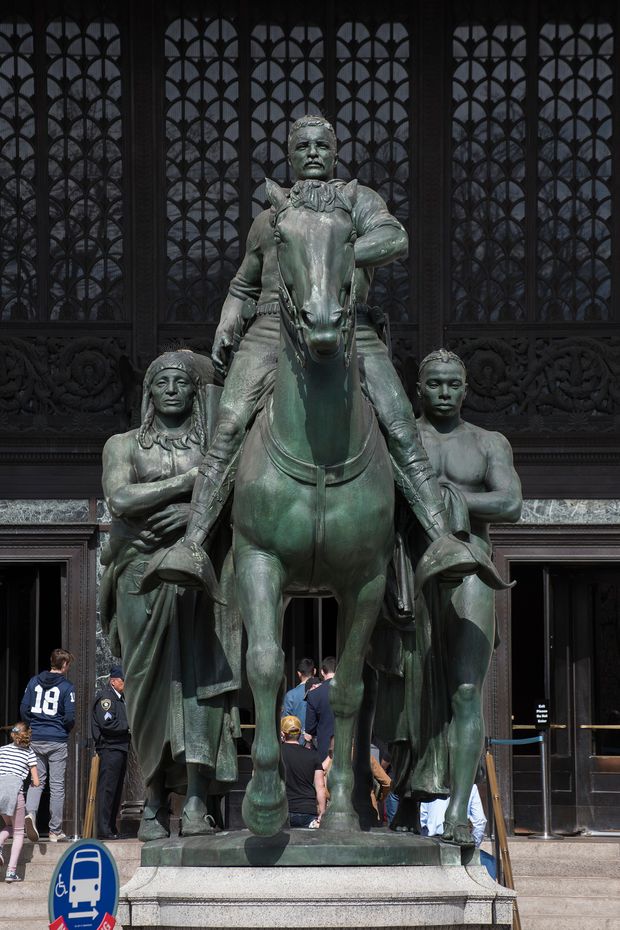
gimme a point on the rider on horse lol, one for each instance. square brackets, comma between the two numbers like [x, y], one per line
[254, 293]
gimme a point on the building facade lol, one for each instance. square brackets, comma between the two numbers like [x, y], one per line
[134, 143]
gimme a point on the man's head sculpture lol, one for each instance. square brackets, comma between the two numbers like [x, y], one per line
[315, 237]
[199, 371]
[312, 148]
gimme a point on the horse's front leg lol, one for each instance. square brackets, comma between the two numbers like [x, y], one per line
[362, 774]
[259, 589]
[359, 610]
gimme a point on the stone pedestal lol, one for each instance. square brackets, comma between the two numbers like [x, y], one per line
[242, 892]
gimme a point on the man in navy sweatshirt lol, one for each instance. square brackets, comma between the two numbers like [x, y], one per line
[48, 706]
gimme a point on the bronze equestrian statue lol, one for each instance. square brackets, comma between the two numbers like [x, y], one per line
[314, 497]
[377, 238]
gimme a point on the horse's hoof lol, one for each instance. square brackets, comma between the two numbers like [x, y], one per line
[340, 822]
[459, 834]
[263, 817]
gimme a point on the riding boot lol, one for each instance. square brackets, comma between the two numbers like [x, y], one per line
[186, 563]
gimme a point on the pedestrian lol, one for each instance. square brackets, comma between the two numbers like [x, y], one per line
[304, 777]
[432, 816]
[48, 707]
[110, 731]
[319, 713]
[294, 704]
[17, 760]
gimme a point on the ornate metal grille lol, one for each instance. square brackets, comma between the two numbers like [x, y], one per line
[18, 209]
[202, 165]
[574, 171]
[488, 173]
[79, 275]
[364, 77]
[374, 93]
[84, 170]
[531, 182]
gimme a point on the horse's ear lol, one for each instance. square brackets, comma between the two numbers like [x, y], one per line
[275, 195]
[350, 191]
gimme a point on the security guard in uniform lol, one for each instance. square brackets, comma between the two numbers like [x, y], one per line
[110, 731]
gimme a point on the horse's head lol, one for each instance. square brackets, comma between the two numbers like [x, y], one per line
[314, 233]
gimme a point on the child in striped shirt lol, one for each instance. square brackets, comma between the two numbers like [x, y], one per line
[17, 759]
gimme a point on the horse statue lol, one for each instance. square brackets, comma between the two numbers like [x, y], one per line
[313, 507]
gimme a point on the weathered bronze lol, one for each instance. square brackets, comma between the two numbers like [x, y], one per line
[439, 734]
[314, 481]
[250, 324]
[181, 653]
[313, 504]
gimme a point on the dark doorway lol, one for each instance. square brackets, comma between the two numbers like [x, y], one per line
[310, 629]
[30, 628]
[566, 649]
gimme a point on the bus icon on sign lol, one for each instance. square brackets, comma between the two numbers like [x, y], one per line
[85, 878]
[83, 892]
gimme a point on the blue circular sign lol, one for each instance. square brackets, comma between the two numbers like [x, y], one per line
[83, 892]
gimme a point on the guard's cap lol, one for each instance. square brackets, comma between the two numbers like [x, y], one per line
[116, 671]
[291, 726]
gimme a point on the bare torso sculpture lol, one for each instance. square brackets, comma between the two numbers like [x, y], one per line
[475, 470]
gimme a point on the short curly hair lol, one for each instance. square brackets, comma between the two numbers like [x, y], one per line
[311, 119]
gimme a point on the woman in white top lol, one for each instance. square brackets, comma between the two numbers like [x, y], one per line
[17, 759]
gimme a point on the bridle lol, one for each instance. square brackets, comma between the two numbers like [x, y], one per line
[291, 315]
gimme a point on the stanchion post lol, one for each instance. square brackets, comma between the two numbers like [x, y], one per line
[547, 832]
[76, 792]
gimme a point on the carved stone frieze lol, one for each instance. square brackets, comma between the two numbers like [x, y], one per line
[542, 384]
[62, 384]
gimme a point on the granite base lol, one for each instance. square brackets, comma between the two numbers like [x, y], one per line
[243, 887]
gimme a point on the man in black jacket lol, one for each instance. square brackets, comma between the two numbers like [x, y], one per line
[319, 713]
[110, 731]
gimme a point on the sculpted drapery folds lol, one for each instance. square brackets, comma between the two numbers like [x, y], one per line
[181, 652]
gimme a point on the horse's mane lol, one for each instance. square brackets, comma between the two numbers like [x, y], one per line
[320, 196]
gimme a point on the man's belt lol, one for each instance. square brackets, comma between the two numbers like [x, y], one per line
[268, 309]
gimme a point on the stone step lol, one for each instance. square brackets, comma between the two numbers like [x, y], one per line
[532, 887]
[567, 923]
[576, 868]
[587, 906]
[573, 848]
